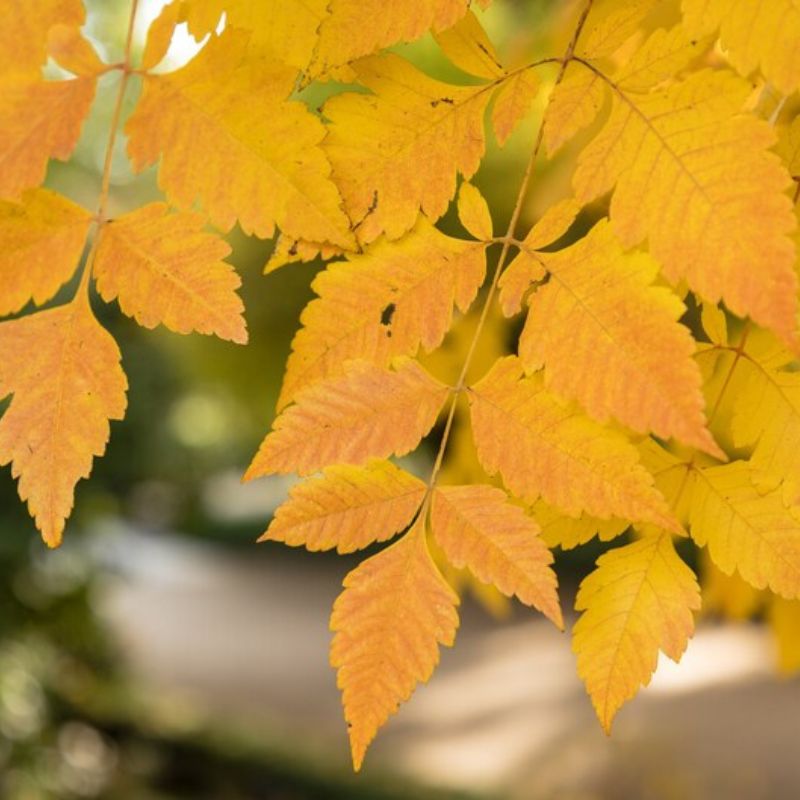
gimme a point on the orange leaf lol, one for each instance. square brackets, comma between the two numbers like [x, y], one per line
[348, 508]
[39, 120]
[163, 268]
[544, 447]
[43, 238]
[368, 412]
[394, 613]
[63, 369]
[226, 133]
[477, 527]
[611, 340]
[384, 303]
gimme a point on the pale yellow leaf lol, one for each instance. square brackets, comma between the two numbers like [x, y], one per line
[349, 508]
[765, 396]
[369, 412]
[696, 179]
[473, 212]
[611, 340]
[43, 238]
[744, 530]
[754, 34]
[386, 302]
[63, 370]
[165, 269]
[543, 447]
[638, 601]
[568, 533]
[477, 527]
[226, 134]
[395, 611]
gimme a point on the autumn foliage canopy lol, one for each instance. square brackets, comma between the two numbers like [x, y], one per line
[652, 388]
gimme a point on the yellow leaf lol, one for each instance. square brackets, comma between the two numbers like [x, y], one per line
[23, 35]
[696, 178]
[477, 527]
[74, 53]
[470, 49]
[39, 120]
[43, 238]
[395, 611]
[638, 601]
[543, 447]
[473, 212]
[526, 267]
[286, 31]
[727, 595]
[349, 508]
[513, 102]
[712, 318]
[763, 34]
[355, 28]
[64, 373]
[766, 414]
[290, 251]
[784, 619]
[401, 147]
[369, 412]
[226, 134]
[660, 58]
[387, 302]
[611, 340]
[165, 269]
[569, 532]
[789, 148]
[159, 35]
[610, 24]
[573, 106]
[745, 530]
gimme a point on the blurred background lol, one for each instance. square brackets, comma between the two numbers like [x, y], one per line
[161, 654]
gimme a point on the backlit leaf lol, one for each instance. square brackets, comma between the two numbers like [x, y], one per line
[638, 601]
[477, 527]
[369, 412]
[348, 508]
[226, 134]
[164, 269]
[395, 611]
[543, 447]
[63, 370]
[42, 240]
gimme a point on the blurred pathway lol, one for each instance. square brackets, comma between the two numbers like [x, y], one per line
[245, 636]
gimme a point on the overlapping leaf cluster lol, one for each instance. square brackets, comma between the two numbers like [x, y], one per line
[653, 388]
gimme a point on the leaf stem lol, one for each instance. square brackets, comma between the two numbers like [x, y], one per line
[102, 202]
[507, 241]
